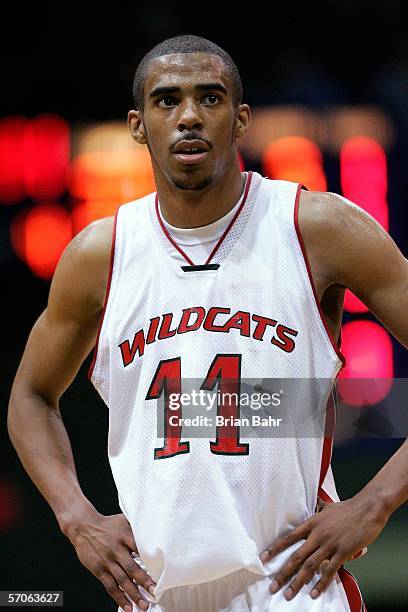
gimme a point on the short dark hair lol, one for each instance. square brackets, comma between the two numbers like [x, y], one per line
[186, 43]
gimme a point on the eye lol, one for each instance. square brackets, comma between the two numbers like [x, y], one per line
[211, 99]
[167, 101]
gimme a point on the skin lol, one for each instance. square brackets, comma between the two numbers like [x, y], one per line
[345, 248]
[191, 196]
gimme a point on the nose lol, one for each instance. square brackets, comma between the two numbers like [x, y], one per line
[189, 117]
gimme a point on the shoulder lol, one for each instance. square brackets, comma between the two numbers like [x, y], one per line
[326, 210]
[335, 222]
[343, 239]
[330, 226]
[93, 241]
[88, 254]
[81, 276]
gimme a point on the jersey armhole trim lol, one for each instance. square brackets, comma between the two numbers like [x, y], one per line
[327, 449]
[352, 590]
[107, 291]
[309, 273]
[327, 452]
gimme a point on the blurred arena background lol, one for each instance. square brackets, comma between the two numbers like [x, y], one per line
[328, 83]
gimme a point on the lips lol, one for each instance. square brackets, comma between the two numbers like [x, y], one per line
[191, 151]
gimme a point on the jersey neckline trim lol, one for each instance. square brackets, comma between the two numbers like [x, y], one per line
[220, 240]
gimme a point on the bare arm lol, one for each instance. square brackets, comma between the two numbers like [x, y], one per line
[58, 344]
[348, 248]
[368, 262]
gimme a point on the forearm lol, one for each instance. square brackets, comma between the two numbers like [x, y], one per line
[40, 438]
[389, 488]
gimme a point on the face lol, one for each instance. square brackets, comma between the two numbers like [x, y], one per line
[190, 121]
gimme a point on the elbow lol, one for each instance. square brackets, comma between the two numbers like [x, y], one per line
[13, 416]
[24, 405]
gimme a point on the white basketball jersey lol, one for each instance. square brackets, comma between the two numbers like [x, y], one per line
[204, 507]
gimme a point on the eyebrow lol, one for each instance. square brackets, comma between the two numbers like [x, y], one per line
[201, 86]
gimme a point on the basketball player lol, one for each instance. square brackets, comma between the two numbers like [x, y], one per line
[221, 275]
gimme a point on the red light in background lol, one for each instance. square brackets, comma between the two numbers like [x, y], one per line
[367, 348]
[11, 507]
[34, 157]
[353, 304]
[90, 210]
[120, 175]
[12, 188]
[363, 174]
[46, 157]
[39, 236]
[295, 158]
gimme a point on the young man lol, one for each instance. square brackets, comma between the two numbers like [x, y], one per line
[220, 277]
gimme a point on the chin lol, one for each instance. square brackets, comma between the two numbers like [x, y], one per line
[191, 183]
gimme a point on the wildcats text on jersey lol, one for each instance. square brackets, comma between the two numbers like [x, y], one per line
[213, 320]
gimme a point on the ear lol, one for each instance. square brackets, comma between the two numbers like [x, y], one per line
[136, 126]
[242, 120]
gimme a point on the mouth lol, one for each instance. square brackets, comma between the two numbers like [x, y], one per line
[191, 152]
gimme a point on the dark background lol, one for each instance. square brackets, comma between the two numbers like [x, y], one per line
[78, 60]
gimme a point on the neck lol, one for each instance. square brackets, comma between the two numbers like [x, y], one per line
[189, 208]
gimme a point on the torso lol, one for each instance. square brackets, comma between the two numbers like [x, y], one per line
[330, 295]
[261, 278]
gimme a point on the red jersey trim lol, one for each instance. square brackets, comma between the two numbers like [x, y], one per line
[352, 590]
[327, 445]
[327, 452]
[222, 238]
[107, 291]
[167, 233]
[303, 249]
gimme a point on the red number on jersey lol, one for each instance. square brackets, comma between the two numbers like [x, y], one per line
[168, 378]
[224, 372]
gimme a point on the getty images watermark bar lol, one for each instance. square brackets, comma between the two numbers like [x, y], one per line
[16, 599]
[283, 408]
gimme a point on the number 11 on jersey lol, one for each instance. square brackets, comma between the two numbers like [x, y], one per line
[224, 373]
